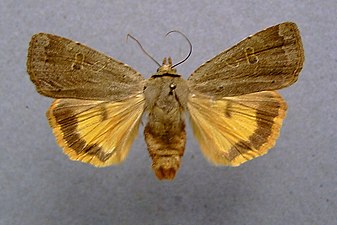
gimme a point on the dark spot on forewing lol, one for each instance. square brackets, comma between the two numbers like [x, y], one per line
[228, 109]
[104, 115]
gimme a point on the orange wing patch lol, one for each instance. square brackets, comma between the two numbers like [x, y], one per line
[96, 132]
[233, 130]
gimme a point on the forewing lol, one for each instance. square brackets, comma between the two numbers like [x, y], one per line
[62, 68]
[96, 132]
[268, 60]
[233, 130]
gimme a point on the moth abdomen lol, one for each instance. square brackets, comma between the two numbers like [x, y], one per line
[165, 151]
[165, 167]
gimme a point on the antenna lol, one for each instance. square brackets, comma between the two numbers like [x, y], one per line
[189, 54]
[129, 35]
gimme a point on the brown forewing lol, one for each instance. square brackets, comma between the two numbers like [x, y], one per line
[268, 60]
[62, 68]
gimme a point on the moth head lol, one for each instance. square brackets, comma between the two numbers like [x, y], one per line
[166, 67]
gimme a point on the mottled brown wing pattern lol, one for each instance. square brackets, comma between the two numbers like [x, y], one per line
[62, 68]
[233, 130]
[268, 60]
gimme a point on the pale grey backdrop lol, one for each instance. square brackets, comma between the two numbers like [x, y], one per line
[296, 183]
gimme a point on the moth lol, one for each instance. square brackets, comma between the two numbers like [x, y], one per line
[234, 110]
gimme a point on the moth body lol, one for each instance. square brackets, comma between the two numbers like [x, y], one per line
[165, 102]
